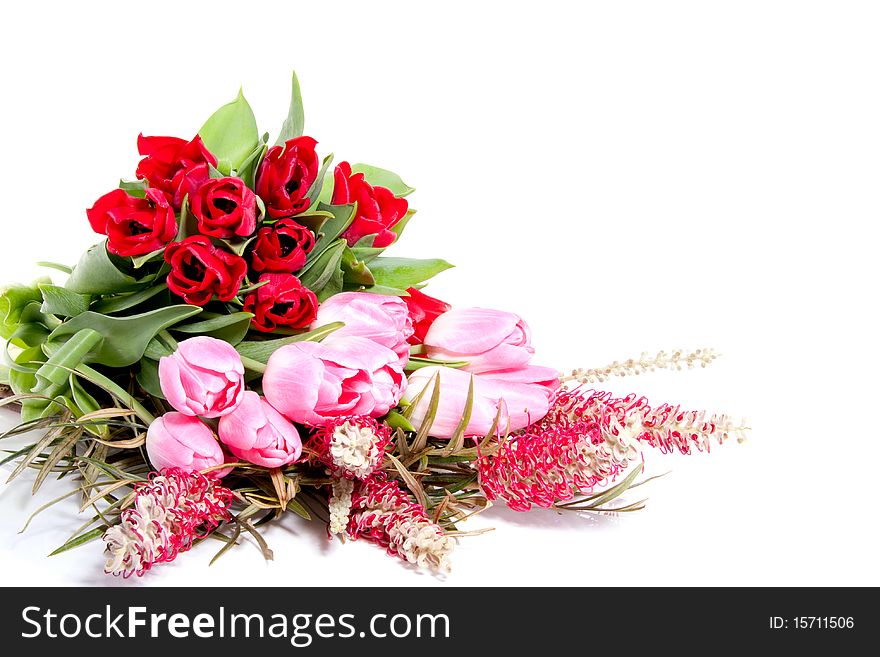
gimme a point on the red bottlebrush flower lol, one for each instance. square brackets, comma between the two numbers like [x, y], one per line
[134, 226]
[286, 175]
[175, 166]
[382, 513]
[281, 248]
[378, 209]
[225, 208]
[170, 510]
[199, 270]
[423, 310]
[283, 301]
[352, 447]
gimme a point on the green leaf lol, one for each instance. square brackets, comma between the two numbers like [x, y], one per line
[405, 272]
[417, 363]
[22, 374]
[318, 185]
[261, 350]
[95, 273]
[53, 374]
[55, 265]
[397, 228]
[125, 338]
[230, 328]
[13, 300]
[324, 275]
[238, 246]
[313, 220]
[148, 378]
[342, 216]
[118, 303]
[82, 539]
[85, 403]
[383, 178]
[381, 290]
[63, 302]
[135, 188]
[231, 134]
[248, 169]
[396, 421]
[355, 272]
[156, 349]
[141, 260]
[294, 124]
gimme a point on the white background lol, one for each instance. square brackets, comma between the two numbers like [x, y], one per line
[627, 176]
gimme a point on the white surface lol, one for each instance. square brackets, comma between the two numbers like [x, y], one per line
[627, 176]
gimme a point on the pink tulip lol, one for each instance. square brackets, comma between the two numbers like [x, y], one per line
[382, 319]
[181, 441]
[257, 433]
[314, 382]
[489, 340]
[523, 398]
[203, 377]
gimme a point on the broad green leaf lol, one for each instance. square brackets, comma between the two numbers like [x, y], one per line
[405, 272]
[318, 185]
[125, 338]
[383, 178]
[313, 220]
[230, 328]
[397, 228]
[141, 260]
[366, 253]
[96, 273]
[381, 290]
[148, 377]
[13, 300]
[134, 187]
[342, 216]
[238, 246]
[261, 350]
[120, 302]
[23, 370]
[85, 403]
[294, 124]
[248, 169]
[231, 134]
[53, 374]
[324, 275]
[156, 349]
[355, 272]
[396, 421]
[63, 302]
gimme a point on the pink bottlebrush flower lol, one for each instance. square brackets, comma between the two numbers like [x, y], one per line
[665, 427]
[170, 510]
[382, 513]
[352, 447]
[586, 439]
[553, 460]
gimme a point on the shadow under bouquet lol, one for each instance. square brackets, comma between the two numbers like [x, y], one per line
[239, 348]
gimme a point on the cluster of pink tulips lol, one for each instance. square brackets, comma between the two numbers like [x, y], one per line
[358, 370]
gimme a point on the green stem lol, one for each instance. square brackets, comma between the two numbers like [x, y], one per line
[114, 389]
[253, 365]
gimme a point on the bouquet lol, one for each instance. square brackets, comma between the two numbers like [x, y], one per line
[238, 348]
